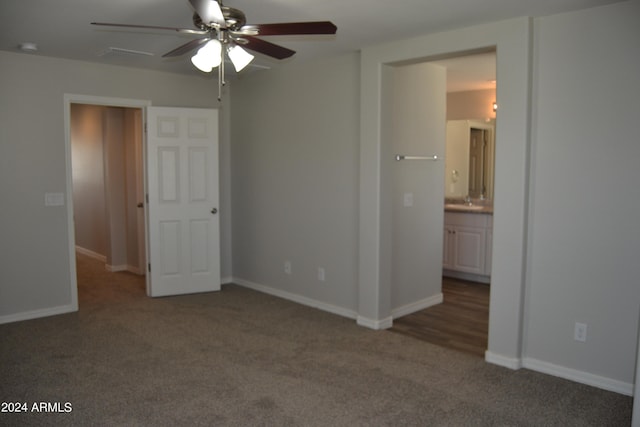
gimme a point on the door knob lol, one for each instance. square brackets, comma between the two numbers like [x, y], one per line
[214, 211]
[140, 205]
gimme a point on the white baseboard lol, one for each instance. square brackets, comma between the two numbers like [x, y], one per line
[578, 376]
[375, 324]
[226, 280]
[467, 276]
[561, 372]
[91, 254]
[111, 268]
[35, 314]
[340, 311]
[417, 306]
[506, 362]
[129, 268]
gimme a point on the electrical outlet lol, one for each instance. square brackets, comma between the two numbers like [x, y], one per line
[287, 267]
[321, 274]
[580, 332]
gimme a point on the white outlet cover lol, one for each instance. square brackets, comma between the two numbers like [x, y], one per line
[408, 200]
[580, 332]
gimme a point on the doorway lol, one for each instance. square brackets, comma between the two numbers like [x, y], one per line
[94, 166]
[460, 320]
[108, 185]
[512, 42]
[181, 171]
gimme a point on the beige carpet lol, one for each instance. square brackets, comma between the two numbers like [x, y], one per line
[241, 358]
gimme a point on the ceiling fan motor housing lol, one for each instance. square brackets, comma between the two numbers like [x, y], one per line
[234, 19]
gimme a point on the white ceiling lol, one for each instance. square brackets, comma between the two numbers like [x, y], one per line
[61, 28]
[472, 72]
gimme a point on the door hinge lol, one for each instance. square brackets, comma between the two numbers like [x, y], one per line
[149, 267]
[147, 197]
[145, 127]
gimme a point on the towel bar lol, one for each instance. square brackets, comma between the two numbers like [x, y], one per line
[403, 157]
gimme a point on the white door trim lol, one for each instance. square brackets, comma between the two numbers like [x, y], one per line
[69, 99]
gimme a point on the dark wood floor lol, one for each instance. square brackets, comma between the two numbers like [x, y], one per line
[461, 322]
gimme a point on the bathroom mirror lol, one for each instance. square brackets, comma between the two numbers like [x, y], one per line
[470, 157]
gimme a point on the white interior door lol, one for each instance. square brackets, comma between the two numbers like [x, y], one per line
[182, 185]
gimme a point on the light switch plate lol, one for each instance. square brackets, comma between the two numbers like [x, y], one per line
[54, 199]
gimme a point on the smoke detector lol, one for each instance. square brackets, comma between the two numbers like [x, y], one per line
[28, 47]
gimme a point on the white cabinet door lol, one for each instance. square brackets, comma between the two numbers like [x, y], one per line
[467, 243]
[183, 226]
[469, 249]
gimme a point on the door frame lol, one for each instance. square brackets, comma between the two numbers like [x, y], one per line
[512, 40]
[491, 147]
[69, 99]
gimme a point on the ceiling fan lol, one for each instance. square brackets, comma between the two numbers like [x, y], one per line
[224, 30]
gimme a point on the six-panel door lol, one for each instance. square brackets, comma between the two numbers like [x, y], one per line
[182, 170]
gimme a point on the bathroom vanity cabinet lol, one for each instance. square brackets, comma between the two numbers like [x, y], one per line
[468, 240]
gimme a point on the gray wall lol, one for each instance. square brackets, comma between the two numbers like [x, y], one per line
[32, 162]
[414, 112]
[585, 236]
[88, 178]
[294, 179]
[472, 104]
[115, 185]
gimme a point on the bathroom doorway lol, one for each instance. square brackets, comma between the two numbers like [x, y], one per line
[511, 41]
[461, 321]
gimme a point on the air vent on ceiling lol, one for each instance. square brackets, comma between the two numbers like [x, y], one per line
[124, 52]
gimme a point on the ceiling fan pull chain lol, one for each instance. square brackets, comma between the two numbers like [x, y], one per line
[223, 41]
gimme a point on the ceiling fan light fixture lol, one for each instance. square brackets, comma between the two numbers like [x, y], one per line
[239, 57]
[208, 56]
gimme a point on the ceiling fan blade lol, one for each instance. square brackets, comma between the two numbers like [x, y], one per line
[267, 48]
[150, 27]
[180, 50]
[287, 28]
[209, 11]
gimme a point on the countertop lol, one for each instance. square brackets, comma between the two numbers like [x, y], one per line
[473, 209]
